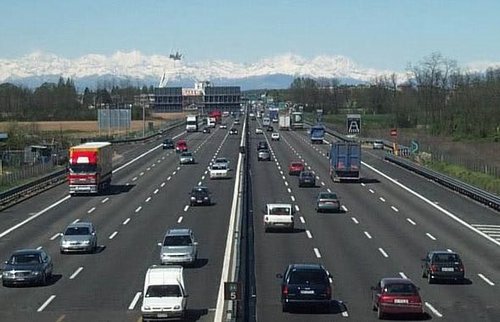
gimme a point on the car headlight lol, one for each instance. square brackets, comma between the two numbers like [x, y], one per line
[35, 273]
[193, 198]
[177, 307]
[146, 307]
[206, 198]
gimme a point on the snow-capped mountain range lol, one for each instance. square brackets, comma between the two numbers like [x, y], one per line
[139, 69]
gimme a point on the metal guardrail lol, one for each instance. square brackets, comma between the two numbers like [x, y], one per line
[22, 192]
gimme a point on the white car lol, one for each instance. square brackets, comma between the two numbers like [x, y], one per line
[275, 136]
[278, 215]
[223, 126]
[219, 171]
[258, 131]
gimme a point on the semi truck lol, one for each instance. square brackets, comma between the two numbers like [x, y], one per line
[90, 167]
[297, 120]
[192, 123]
[345, 161]
[317, 134]
[284, 122]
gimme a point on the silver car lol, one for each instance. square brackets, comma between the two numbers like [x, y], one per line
[79, 237]
[186, 158]
[263, 154]
[179, 247]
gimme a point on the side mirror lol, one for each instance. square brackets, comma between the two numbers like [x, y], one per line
[279, 275]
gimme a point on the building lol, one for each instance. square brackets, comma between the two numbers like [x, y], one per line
[223, 98]
[168, 99]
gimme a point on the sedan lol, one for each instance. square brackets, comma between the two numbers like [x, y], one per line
[200, 196]
[263, 154]
[233, 131]
[206, 130]
[307, 179]
[295, 168]
[186, 158]
[79, 237]
[327, 201]
[442, 265]
[396, 296]
[27, 266]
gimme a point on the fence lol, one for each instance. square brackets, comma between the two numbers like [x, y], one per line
[19, 174]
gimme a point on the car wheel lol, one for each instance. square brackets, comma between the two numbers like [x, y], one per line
[380, 313]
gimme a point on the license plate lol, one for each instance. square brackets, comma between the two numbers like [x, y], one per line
[307, 292]
[199, 201]
[400, 301]
[162, 315]
[447, 269]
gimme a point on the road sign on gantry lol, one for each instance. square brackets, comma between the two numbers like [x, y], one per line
[353, 123]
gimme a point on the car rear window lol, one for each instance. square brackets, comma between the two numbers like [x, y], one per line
[296, 164]
[26, 259]
[308, 277]
[328, 196]
[281, 211]
[444, 258]
[164, 291]
[400, 289]
[75, 231]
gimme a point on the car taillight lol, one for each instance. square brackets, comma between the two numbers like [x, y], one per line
[385, 299]
[434, 268]
[284, 290]
[415, 299]
[461, 267]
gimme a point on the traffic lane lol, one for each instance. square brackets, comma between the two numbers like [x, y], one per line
[286, 247]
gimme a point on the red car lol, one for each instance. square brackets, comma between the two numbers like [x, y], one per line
[181, 146]
[396, 295]
[295, 168]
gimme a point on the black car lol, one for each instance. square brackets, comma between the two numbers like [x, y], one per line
[237, 122]
[442, 265]
[262, 145]
[206, 130]
[168, 144]
[305, 284]
[270, 128]
[307, 179]
[233, 131]
[200, 196]
[27, 266]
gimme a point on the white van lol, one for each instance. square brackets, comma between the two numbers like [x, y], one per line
[278, 216]
[164, 295]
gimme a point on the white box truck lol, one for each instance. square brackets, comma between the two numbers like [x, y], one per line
[192, 123]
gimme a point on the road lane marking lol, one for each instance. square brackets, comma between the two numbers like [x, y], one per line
[39, 247]
[383, 252]
[149, 168]
[61, 318]
[141, 174]
[168, 179]
[371, 190]
[76, 273]
[484, 278]
[286, 183]
[162, 184]
[135, 300]
[113, 235]
[411, 221]
[105, 200]
[148, 199]
[297, 208]
[368, 235]
[433, 310]
[355, 220]
[173, 173]
[329, 190]
[449, 250]
[199, 183]
[134, 178]
[302, 220]
[138, 209]
[316, 251]
[186, 207]
[156, 191]
[289, 190]
[178, 168]
[179, 220]
[430, 236]
[403, 275]
[345, 314]
[44, 305]
[381, 199]
[395, 209]
[292, 197]
[55, 236]
[322, 183]
[126, 221]
[363, 184]
[308, 233]
[75, 221]
[202, 177]
[344, 208]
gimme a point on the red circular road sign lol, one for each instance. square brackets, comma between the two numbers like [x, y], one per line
[394, 132]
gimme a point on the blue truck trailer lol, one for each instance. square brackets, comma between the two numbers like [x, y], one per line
[345, 161]
[317, 134]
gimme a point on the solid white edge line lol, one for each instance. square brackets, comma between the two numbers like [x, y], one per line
[135, 300]
[433, 310]
[432, 204]
[44, 305]
[79, 269]
[486, 279]
[113, 235]
[308, 233]
[317, 253]
[126, 221]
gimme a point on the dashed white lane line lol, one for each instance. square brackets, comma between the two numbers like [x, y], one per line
[371, 190]
[284, 178]
[449, 250]
[75, 221]
[178, 168]
[147, 199]
[162, 184]
[199, 183]
[126, 221]
[355, 220]
[395, 209]
[55, 236]
[345, 314]
[329, 190]
[173, 173]
[403, 275]
[302, 220]
[308, 233]
[344, 208]
[430, 236]
[322, 183]
[363, 184]
[138, 209]
[149, 168]
[367, 234]
[289, 190]
[179, 220]
[39, 247]
[382, 251]
[134, 178]
[286, 183]
[44, 305]
[297, 208]
[433, 310]
[156, 191]
[76, 273]
[168, 179]
[141, 174]
[411, 221]
[105, 200]
[381, 199]
[202, 177]
[135, 300]
[292, 197]
[186, 207]
[484, 278]
[91, 210]
[317, 253]
[113, 235]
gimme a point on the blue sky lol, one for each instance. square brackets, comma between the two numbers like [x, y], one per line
[382, 34]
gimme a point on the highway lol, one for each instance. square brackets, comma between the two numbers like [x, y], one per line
[390, 220]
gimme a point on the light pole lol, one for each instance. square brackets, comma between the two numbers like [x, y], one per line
[143, 119]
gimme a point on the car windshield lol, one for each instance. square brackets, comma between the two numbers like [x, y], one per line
[177, 241]
[296, 164]
[400, 288]
[306, 174]
[308, 277]
[76, 231]
[219, 166]
[186, 154]
[328, 196]
[25, 259]
[281, 211]
[164, 291]
[444, 258]
[221, 160]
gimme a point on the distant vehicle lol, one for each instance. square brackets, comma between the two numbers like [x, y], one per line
[192, 123]
[263, 155]
[396, 296]
[217, 115]
[345, 161]
[273, 114]
[258, 131]
[200, 196]
[378, 144]
[225, 113]
[206, 130]
[237, 122]
[181, 146]
[252, 116]
[284, 122]
[295, 168]
[164, 293]
[90, 167]
[211, 121]
[79, 237]
[266, 121]
[179, 247]
[223, 126]
[307, 179]
[270, 128]
[28, 267]
[275, 136]
[278, 215]
[168, 144]
[219, 171]
[233, 131]
[327, 201]
[305, 284]
[297, 120]
[186, 158]
[443, 265]
[317, 134]
[262, 145]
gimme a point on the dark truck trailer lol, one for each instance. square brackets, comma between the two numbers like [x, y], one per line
[345, 161]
